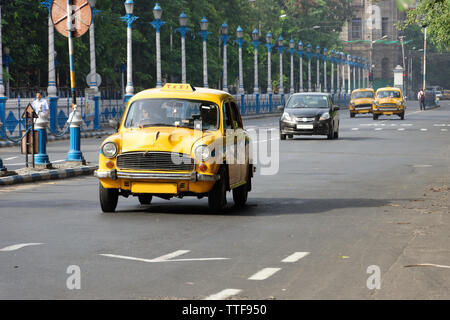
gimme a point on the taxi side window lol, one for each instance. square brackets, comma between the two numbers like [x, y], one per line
[227, 118]
[236, 118]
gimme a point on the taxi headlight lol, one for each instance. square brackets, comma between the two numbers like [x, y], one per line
[325, 116]
[202, 153]
[399, 103]
[109, 150]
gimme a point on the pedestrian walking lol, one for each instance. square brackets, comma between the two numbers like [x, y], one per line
[421, 98]
[40, 105]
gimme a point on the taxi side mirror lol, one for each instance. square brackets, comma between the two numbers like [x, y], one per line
[114, 124]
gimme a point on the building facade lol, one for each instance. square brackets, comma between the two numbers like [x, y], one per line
[371, 34]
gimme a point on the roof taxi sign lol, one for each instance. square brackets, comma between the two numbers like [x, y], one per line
[176, 87]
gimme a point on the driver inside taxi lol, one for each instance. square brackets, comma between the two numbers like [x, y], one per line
[154, 118]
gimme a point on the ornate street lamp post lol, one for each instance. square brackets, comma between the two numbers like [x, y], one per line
[292, 51]
[269, 46]
[300, 54]
[51, 89]
[182, 30]
[309, 54]
[343, 72]
[157, 24]
[354, 72]
[240, 41]
[204, 33]
[332, 60]
[225, 38]
[129, 18]
[255, 42]
[318, 68]
[6, 61]
[337, 58]
[93, 80]
[349, 62]
[280, 48]
[324, 57]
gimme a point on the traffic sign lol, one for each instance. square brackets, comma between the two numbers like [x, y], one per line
[81, 15]
[97, 79]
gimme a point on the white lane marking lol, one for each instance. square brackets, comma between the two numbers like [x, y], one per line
[264, 274]
[171, 255]
[355, 129]
[406, 124]
[224, 294]
[165, 258]
[295, 257]
[422, 166]
[444, 129]
[439, 125]
[393, 125]
[401, 129]
[19, 246]
[10, 158]
[378, 129]
[427, 265]
[423, 129]
[56, 161]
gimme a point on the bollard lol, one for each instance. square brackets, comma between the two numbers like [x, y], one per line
[2, 168]
[97, 112]
[41, 158]
[53, 106]
[75, 120]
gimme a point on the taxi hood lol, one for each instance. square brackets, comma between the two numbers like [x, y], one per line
[363, 100]
[166, 139]
[388, 100]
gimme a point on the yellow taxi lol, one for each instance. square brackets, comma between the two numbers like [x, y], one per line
[389, 101]
[177, 141]
[361, 101]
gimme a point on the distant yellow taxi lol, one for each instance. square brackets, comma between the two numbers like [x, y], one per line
[361, 101]
[177, 141]
[389, 101]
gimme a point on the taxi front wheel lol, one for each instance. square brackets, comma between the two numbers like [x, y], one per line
[217, 197]
[108, 198]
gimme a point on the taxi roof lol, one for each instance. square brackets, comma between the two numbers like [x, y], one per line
[389, 88]
[195, 93]
[363, 89]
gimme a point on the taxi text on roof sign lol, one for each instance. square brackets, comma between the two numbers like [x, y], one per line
[178, 87]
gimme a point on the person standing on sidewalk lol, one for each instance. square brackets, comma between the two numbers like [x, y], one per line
[40, 105]
[421, 98]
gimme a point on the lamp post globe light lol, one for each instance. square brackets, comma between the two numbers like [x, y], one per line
[292, 51]
[255, 42]
[204, 33]
[269, 46]
[225, 38]
[157, 24]
[240, 41]
[182, 30]
[309, 54]
[324, 58]
[300, 54]
[129, 18]
[318, 68]
[280, 48]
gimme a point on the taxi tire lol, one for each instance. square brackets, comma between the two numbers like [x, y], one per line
[282, 136]
[217, 197]
[108, 198]
[240, 194]
[375, 117]
[330, 134]
[352, 115]
[402, 116]
[146, 200]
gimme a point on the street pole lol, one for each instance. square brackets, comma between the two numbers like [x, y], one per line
[225, 38]
[292, 51]
[338, 67]
[349, 61]
[182, 30]
[318, 89]
[332, 71]
[204, 34]
[240, 41]
[129, 18]
[280, 48]
[325, 89]
[354, 72]
[425, 59]
[309, 54]
[300, 53]
[157, 24]
[93, 81]
[269, 46]
[343, 72]
[2, 87]
[255, 42]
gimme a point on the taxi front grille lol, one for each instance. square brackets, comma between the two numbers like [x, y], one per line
[391, 105]
[363, 106]
[155, 161]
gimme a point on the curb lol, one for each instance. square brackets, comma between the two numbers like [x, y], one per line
[4, 144]
[261, 116]
[48, 175]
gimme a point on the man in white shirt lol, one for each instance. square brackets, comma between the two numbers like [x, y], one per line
[40, 105]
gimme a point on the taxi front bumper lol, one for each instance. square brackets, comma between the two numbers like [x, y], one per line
[193, 176]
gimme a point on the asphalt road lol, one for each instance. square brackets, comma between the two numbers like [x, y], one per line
[310, 231]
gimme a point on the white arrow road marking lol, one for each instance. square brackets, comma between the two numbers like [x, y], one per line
[222, 295]
[295, 257]
[165, 258]
[264, 274]
[19, 246]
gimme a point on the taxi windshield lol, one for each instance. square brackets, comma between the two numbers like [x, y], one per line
[388, 94]
[194, 114]
[362, 94]
[308, 101]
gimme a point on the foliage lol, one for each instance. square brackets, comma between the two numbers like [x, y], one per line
[25, 32]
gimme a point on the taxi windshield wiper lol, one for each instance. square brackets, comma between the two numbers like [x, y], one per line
[156, 125]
